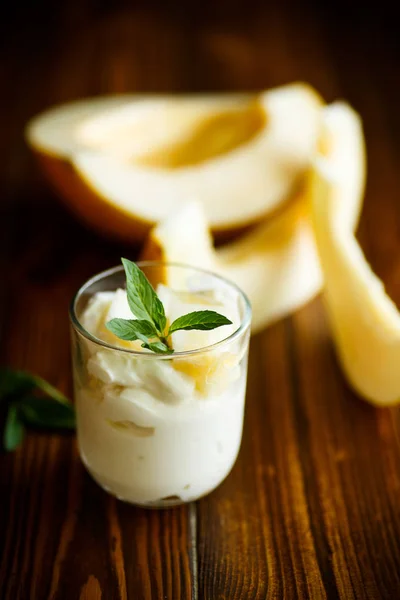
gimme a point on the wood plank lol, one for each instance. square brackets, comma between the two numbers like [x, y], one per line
[64, 536]
[354, 447]
[351, 449]
[332, 507]
[263, 536]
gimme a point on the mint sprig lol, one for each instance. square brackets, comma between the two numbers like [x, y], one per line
[31, 401]
[150, 323]
[142, 299]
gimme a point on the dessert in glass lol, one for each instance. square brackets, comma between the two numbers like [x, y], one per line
[153, 429]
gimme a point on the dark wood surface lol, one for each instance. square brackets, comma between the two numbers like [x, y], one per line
[311, 509]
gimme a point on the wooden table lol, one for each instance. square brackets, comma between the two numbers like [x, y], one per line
[312, 506]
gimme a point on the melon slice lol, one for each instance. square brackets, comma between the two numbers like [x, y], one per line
[364, 320]
[276, 264]
[127, 167]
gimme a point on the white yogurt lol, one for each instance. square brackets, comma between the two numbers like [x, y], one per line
[158, 432]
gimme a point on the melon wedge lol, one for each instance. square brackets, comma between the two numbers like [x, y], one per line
[126, 167]
[276, 264]
[364, 320]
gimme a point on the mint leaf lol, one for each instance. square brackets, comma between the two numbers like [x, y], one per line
[44, 412]
[200, 319]
[50, 390]
[15, 383]
[142, 299]
[158, 347]
[13, 430]
[17, 389]
[132, 329]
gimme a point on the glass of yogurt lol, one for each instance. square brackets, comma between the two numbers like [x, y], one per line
[159, 430]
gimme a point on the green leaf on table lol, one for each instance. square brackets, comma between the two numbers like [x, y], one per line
[142, 299]
[50, 390]
[15, 383]
[44, 412]
[132, 329]
[50, 408]
[14, 430]
[200, 319]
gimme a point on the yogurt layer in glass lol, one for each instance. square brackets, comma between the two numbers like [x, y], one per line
[159, 430]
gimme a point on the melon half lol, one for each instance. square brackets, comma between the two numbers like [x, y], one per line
[124, 163]
[276, 264]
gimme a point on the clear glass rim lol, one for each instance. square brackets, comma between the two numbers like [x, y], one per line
[244, 324]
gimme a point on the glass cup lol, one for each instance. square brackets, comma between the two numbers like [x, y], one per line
[159, 430]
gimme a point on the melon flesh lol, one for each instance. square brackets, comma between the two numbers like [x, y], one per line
[60, 131]
[276, 264]
[127, 167]
[365, 322]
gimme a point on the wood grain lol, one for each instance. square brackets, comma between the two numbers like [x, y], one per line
[310, 510]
